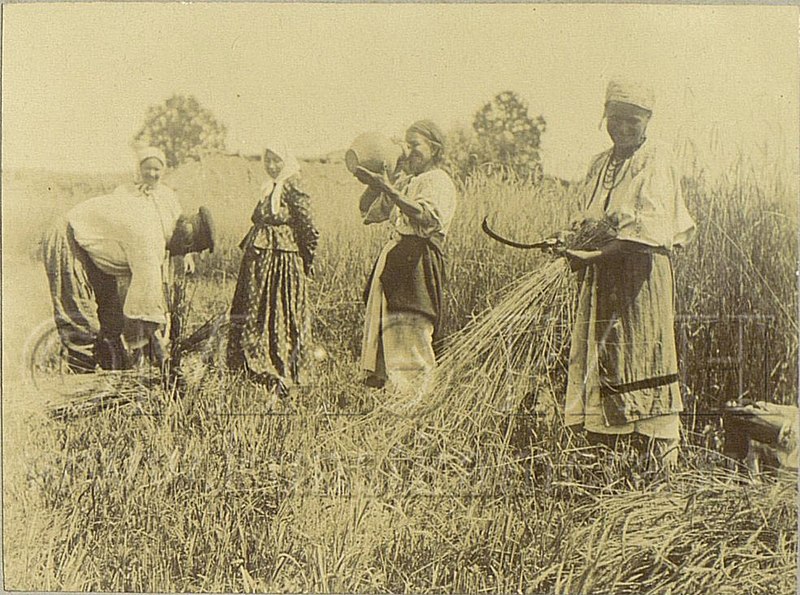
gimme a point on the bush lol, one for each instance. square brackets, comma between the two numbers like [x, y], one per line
[504, 137]
[182, 129]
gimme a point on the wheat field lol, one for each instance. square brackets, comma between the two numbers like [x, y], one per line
[226, 490]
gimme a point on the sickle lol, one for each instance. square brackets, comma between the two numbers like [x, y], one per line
[488, 231]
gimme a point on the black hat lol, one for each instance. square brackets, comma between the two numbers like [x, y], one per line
[193, 233]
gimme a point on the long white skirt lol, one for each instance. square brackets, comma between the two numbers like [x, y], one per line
[397, 347]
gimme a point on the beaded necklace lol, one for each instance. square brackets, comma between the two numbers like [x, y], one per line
[615, 171]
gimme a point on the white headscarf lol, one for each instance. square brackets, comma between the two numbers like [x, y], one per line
[291, 167]
[631, 92]
[144, 153]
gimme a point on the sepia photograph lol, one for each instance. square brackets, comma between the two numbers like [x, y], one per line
[400, 298]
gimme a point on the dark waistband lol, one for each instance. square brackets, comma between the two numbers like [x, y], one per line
[436, 243]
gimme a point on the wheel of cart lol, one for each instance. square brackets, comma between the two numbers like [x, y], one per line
[72, 389]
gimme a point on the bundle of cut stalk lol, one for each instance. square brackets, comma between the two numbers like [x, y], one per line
[464, 409]
[706, 533]
[80, 395]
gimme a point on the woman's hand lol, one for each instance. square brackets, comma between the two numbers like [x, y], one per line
[555, 244]
[377, 181]
[381, 183]
[580, 258]
[609, 250]
[584, 256]
[183, 264]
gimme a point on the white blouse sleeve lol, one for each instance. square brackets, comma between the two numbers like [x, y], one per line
[436, 194]
[658, 217]
[145, 299]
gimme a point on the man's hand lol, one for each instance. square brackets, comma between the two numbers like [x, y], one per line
[189, 266]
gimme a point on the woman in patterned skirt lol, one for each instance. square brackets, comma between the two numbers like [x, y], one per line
[270, 327]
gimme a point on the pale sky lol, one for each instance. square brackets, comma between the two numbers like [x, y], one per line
[78, 78]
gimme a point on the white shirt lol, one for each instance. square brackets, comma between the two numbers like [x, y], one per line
[646, 203]
[125, 234]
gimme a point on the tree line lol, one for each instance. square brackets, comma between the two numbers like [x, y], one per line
[504, 136]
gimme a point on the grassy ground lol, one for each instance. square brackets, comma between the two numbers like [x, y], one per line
[227, 490]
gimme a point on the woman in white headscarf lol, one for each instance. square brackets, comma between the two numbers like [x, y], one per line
[270, 327]
[623, 369]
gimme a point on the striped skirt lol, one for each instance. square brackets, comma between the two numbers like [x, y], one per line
[87, 304]
[270, 326]
[74, 305]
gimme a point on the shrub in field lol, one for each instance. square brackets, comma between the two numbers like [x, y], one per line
[736, 298]
[183, 129]
[504, 137]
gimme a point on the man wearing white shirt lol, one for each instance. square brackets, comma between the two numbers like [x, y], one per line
[106, 269]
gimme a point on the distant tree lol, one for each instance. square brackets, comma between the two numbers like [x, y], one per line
[462, 153]
[508, 136]
[183, 129]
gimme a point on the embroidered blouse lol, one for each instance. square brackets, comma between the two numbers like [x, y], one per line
[641, 196]
[434, 191]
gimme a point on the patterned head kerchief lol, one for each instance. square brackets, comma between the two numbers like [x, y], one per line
[432, 132]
